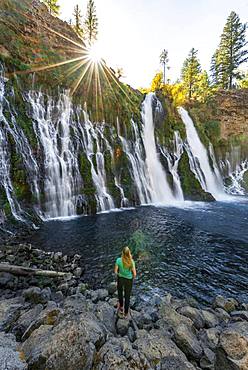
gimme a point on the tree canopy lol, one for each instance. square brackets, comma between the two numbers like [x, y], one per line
[230, 54]
[53, 6]
[190, 72]
[91, 23]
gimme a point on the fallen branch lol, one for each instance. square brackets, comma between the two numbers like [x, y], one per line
[27, 271]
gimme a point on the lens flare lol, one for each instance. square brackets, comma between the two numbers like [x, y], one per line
[95, 53]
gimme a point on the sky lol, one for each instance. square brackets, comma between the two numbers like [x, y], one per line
[133, 33]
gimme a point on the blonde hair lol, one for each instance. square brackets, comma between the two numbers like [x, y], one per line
[127, 258]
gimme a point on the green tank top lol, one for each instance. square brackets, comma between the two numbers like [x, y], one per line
[122, 271]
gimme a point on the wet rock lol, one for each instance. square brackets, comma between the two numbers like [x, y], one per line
[57, 256]
[187, 341]
[161, 352]
[227, 304]
[194, 314]
[10, 357]
[211, 319]
[232, 351]
[122, 326]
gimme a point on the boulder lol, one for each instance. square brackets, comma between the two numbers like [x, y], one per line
[49, 316]
[232, 351]
[7, 280]
[71, 344]
[194, 314]
[105, 313]
[112, 288]
[161, 352]
[117, 353]
[172, 318]
[36, 295]
[187, 341]
[10, 310]
[25, 320]
[10, 357]
[208, 359]
[209, 337]
[210, 318]
[122, 326]
[241, 315]
[227, 304]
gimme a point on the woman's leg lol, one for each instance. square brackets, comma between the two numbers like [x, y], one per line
[128, 289]
[120, 291]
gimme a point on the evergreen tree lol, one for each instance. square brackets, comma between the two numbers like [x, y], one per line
[91, 23]
[164, 60]
[78, 20]
[231, 53]
[190, 72]
[203, 89]
[53, 6]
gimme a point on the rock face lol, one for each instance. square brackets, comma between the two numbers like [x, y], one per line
[233, 112]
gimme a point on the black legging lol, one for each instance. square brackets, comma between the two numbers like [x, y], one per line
[126, 284]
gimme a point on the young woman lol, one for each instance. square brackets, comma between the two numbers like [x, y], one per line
[126, 272]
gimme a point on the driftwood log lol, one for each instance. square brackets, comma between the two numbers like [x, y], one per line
[27, 271]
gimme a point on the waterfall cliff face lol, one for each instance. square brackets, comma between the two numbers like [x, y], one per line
[60, 163]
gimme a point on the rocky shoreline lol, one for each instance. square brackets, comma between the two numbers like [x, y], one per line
[61, 324]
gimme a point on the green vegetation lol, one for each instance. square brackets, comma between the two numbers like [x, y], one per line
[190, 72]
[53, 6]
[230, 54]
[164, 60]
[77, 16]
[91, 23]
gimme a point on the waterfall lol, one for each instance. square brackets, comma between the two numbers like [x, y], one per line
[89, 135]
[134, 152]
[208, 177]
[160, 189]
[173, 161]
[52, 125]
[23, 148]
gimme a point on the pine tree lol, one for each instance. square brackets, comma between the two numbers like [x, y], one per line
[91, 23]
[231, 53]
[53, 6]
[164, 60]
[190, 72]
[78, 20]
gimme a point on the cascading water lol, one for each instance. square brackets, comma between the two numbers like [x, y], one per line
[51, 125]
[89, 134]
[199, 160]
[173, 161]
[159, 187]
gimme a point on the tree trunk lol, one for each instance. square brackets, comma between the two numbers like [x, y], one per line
[27, 271]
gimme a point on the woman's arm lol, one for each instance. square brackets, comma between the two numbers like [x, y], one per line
[116, 269]
[134, 272]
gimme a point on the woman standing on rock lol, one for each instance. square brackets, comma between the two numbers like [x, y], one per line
[126, 272]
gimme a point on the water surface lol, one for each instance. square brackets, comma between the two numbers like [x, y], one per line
[199, 250]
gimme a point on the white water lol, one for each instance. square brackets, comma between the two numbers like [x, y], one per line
[160, 189]
[173, 161]
[199, 160]
[51, 125]
[89, 135]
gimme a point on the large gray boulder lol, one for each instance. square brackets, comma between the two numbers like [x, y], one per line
[118, 353]
[232, 351]
[10, 357]
[25, 320]
[186, 340]
[10, 310]
[194, 314]
[69, 345]
[161, 352]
